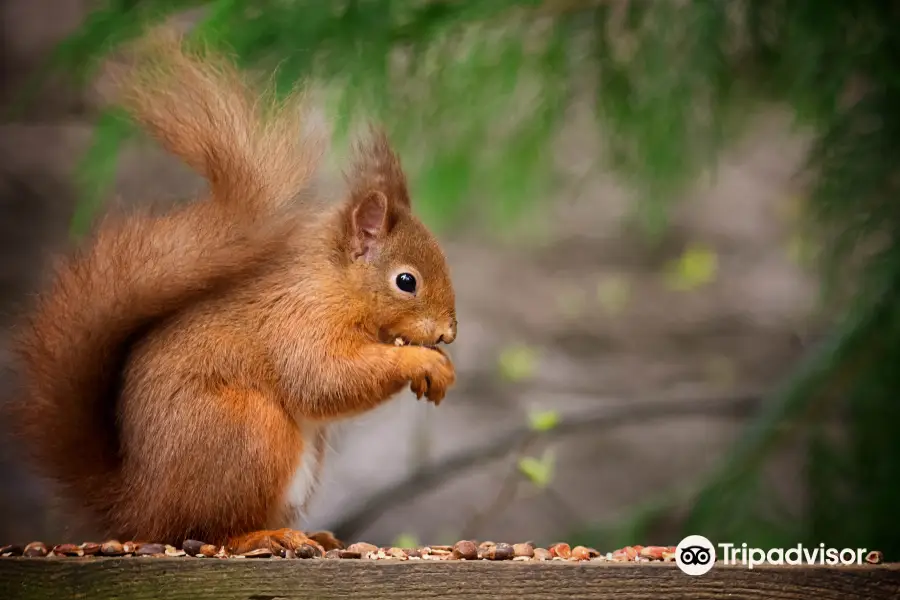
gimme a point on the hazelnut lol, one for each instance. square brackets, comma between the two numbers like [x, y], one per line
[465, 549]
[362, 547]
[499, 552]
[151, 550]
[90, 548]
[68, 550]
[526, 549]
[112, 548]
[191, 547]
[308, 551]
[36, 550]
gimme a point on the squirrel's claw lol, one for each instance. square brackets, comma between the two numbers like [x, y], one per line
[418, 387]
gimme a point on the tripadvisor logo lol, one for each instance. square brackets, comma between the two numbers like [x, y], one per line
[696, 555]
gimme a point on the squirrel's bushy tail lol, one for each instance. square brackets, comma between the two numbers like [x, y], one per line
[138, 269]
[248, 144]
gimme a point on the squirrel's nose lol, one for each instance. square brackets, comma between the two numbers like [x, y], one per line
[449, 335]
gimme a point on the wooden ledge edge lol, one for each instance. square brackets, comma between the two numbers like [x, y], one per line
[145, 578]
[350, 563]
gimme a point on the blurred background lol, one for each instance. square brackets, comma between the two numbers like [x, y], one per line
[671, 224]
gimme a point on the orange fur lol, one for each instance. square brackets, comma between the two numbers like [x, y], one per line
[180, 367]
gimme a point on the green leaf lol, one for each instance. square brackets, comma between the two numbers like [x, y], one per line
[538, 471]
[517, 362]
[696, 266]
[543, 420]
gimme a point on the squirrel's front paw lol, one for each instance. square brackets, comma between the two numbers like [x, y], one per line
[434, 374]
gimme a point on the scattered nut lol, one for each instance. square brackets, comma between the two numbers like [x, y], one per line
[308, 551]
[397, 553]
[542, 554]
[191, 547]
[561, 550]
[362, 547]
[583, 553]
[36, 549]
[11, 550]
[465, 550]
[875, 557]
[461, 550]
[68, 550]
[112, 548]
[526, 550]
[499, 552]
[628, 553]
[151, 550]
[90, 548]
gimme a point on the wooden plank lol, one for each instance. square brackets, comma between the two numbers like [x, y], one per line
[277, 579]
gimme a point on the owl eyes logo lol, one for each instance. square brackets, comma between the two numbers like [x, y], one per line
[695, 555]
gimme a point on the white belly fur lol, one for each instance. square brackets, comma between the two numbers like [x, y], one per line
[305, 478]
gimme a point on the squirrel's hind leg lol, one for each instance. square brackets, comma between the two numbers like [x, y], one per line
[223, 468]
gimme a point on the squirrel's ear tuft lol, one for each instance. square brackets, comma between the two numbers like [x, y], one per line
[377, 167]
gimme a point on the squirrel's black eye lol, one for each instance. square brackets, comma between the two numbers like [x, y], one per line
[406, 283]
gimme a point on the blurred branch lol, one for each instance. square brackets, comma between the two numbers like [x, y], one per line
[430, 476]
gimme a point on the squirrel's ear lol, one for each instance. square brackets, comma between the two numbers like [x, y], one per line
[378, 194]
[370, 222]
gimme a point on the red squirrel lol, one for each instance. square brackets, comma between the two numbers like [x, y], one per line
[181, 368]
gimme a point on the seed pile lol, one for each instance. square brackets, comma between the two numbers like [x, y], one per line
[462, 550]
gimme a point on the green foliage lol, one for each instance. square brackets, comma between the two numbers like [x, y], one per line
[517, 362]
[695, 267]
[474, 92]
[543, 420]
[539, 471]
[405, 540]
